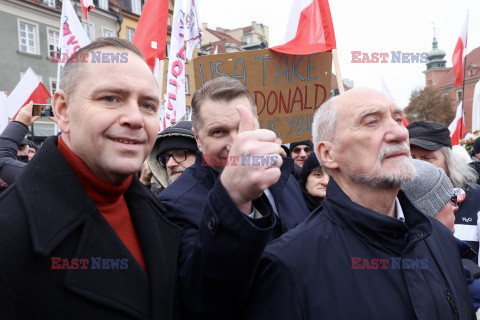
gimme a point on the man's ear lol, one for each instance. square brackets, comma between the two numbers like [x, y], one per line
[326, 152]
[199, 142]
[61, 110]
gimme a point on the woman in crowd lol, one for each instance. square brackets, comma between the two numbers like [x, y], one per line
[313, 182]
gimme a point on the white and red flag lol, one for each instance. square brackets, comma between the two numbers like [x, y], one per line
[309, 28]
[457, 127]
[193, 32]
[151, 33]
[175, 93]
[87, 6]
[28, 89]
[459, 54]
[72, 35]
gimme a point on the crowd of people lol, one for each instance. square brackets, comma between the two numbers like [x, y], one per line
[108, 220]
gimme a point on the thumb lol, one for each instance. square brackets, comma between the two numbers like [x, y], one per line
[246, 119]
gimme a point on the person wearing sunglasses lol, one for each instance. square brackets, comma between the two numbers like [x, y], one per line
[300, 151]
[174, 151]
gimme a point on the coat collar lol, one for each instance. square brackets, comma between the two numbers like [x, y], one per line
[374, 227]
[57, 207]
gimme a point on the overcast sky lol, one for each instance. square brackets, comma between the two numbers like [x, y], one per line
[367, 26]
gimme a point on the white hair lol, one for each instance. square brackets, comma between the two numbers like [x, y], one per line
[460, 173]
[324, 123]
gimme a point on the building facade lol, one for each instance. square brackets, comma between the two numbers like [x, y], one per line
[443, 78]
[30, 32]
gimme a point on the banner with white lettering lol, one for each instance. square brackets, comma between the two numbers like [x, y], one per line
[175, 94]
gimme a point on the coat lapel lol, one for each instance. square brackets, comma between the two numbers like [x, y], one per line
[159, 240]
[124, 289]
[56, 206]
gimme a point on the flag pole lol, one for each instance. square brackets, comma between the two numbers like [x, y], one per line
[161, 66]
[337, 71]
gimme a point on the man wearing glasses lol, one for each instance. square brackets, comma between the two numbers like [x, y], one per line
[174, 151]
[300, 151]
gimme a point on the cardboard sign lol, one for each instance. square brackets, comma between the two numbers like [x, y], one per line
[287, 89]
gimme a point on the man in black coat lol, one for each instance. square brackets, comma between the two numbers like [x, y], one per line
[80, 237]
[223, 236]
[368, 252]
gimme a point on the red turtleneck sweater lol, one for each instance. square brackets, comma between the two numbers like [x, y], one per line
[109, 200]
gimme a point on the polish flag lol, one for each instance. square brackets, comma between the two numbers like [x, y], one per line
[87, 6]
[151, 33]
[457, 127]
[459, 54]
[28, 89]
[309, 28]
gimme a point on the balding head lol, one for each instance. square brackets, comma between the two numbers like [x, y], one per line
[359, 135]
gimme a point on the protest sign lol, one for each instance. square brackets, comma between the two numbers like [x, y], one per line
[287, 89]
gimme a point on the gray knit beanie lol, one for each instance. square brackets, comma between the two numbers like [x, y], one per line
[431, 189]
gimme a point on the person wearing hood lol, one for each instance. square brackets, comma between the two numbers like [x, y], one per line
[174, 151]
[313, 182]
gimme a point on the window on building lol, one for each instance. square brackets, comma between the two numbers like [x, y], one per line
[130, 34]
[27, 37]
[88, 30]
[103, 4]
[248, 40]
[107, 32]
[187, 87]
[471, 72]
[52, 42]
[53, 86]
[459, 95]
[136, 7]
[167, 51]
[169, 21]
[50, 3]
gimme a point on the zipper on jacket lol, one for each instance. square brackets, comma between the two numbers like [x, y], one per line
[453, 305]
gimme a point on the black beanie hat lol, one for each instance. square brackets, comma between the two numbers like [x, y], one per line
[298, 143]
[177, 137]
[310, 164]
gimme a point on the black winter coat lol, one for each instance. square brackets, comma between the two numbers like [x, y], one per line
[348, 262]
[46, 215]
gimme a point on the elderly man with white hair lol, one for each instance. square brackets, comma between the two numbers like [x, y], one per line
[368, 251]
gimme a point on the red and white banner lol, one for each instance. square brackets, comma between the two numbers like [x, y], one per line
[175, 94]
[3, 111]
[457, 127]
[309, 28]
[28, 89]
[193, 32]
[459, 54]
[72, 36]
[87, 6]
[151, 33]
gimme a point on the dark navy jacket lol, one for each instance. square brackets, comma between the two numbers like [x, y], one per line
[348, 262]
[221, 246]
